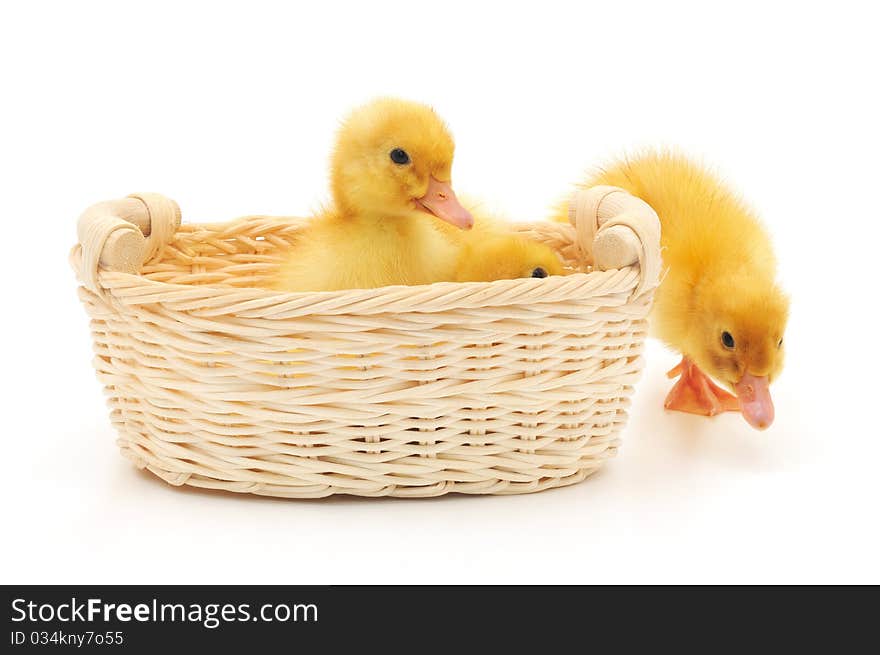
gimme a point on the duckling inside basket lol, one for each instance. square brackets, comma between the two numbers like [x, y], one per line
[393, 218]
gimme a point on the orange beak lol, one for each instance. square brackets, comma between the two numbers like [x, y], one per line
[440, 200]
[754, 400]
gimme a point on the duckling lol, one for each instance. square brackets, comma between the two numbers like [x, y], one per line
[719, 304]
[495, 253]
[390, 179]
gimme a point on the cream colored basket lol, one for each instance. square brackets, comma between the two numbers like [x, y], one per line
[508, 387]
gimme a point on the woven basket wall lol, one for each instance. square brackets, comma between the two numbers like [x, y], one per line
[505, 387]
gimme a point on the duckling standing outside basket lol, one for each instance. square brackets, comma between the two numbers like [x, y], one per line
[719, 304]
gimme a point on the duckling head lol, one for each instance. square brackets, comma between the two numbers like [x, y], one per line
[393, 159]
[506, 257]
[737, 338]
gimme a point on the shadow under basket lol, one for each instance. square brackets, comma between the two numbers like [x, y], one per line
[503, 387]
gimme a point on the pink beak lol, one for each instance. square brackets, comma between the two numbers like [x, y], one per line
[440, 200]
[754, 400]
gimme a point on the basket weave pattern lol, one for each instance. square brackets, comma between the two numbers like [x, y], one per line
[504, 387]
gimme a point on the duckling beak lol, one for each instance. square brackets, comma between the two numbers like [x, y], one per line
[754, 400]
[440, 200]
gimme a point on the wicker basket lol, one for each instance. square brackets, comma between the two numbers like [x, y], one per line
[505, 387]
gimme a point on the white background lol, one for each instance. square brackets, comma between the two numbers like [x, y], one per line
[230, 110]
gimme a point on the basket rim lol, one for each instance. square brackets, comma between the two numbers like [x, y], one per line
[454, 295]
[134, 288]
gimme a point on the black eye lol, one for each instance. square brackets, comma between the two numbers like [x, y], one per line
[399, 156]
[539, 272]
[727, 340]
[779, 345]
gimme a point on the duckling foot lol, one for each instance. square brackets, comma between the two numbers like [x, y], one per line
[695, 393]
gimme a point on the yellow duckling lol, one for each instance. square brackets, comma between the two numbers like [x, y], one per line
[492, 251]
[719, 303]
[390, 179]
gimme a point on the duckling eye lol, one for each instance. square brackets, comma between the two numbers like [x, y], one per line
[779, 345]
[727, 339]
[539, 272]
[399, 156]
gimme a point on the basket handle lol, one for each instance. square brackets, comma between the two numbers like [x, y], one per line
[120, 235]
[615, 229]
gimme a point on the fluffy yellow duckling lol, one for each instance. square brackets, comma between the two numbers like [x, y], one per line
[395, 218]
[719, 304]
[390, 179]
[491, 252]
